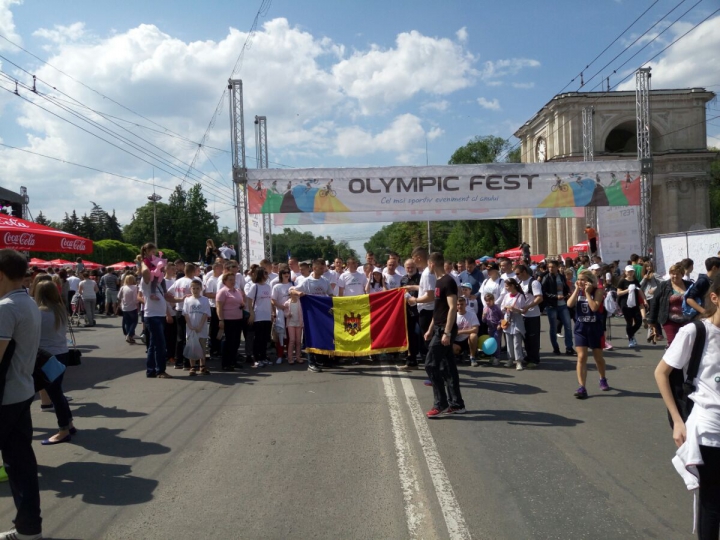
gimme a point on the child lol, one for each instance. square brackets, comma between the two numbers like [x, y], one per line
[196, 310]
[492, 315]
[513, 323]
[472, 303]
[153, 263]
[294, 322]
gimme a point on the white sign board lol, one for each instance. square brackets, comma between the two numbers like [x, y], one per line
[256, 238]
[695, 245]
[618, 232]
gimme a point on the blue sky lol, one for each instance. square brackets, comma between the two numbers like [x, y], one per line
[342, 83]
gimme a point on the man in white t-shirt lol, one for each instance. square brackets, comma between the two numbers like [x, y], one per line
[304, 273]
[351, 282]
[332, 278]
[531, 313]
[425, 300]
[294, 265]
[227, 252]
[506, 269]
[392, 278]
[268, 266]
[180, 290]
[393, 256]
[468, 326]
[212, 285]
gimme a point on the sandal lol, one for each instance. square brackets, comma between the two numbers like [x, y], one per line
[204, 371]
[193, 372]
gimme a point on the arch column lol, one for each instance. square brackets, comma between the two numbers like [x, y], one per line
[672, 186]
[702, 200]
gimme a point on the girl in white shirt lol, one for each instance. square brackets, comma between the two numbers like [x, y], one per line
[698, 438]
[128, 300]
[513, 323]
[259, 299]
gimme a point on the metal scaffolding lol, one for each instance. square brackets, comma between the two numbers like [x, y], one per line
[261, 153]
[644, 154]
[239, 170]
[589, 155]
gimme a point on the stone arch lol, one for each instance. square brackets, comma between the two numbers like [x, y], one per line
[621, 137]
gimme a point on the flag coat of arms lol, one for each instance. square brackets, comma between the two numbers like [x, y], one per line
[355, 325]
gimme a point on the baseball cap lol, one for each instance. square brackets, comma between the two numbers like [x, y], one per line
[629, 268]
[378, 270]
[594, 267]
[466, 285]
[493, 266]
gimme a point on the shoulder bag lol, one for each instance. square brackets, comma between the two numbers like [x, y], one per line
[681, 386]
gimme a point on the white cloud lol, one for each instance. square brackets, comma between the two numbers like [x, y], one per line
[7, 24]
[434, 133]
[405, 136]
[462, 34]
[524, 86]
[493, 105]
[62, 34]
[494, 83]
[686, 64]
[510, 66]
[379, 79]
[441, 105]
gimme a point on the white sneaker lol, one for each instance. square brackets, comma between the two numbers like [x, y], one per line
[473, 363]
[279, 360]
[519, 366]
[14, 535]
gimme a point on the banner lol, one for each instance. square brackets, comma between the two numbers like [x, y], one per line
[256, 238]
[618, 233]
[492, 186]
[337, 218]
[16, 233]
[355, 325]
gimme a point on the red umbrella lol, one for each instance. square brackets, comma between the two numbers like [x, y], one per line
[122, 265]
[510, 253]
[568, 255]
[91, 265]
[16, 233]
[40, 263]
[537, 258]
[580, 247]
[60, 262]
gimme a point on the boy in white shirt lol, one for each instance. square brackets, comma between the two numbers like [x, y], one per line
[196, 310]
[467, 336]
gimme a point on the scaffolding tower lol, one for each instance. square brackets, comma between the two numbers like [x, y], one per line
[589, 155]
[261, 152]
[239, 170]
[644, 154]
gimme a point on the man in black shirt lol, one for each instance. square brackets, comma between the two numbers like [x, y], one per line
[440, 362]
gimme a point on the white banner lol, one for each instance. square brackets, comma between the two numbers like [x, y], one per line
[256, 238]
[695, 245]
[493, 186]
[618, 233]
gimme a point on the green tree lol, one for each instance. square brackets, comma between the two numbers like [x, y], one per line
[305, 246]
[42, 220]
[480, 150]
[113, 251]
[87, 227]
[71, 223]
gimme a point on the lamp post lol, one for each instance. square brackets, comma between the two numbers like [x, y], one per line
[155, 198]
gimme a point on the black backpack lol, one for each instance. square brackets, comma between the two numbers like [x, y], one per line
[683, 386]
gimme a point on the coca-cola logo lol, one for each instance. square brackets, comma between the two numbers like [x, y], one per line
[76, 244]
[13, 222]
[24, 239]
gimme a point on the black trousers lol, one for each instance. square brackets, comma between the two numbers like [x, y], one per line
[532, 340]
[442, 371]
[709, 512]
[263, 330]
[633, 320]
[233, 329]
[413, 337]
[170, 338]
[249, 335]
[180, 341]
[214, 329]
[16, 447]
[424, 319]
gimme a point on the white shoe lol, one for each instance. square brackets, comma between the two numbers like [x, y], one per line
[14, 535]
[519, 366]
[279, 360]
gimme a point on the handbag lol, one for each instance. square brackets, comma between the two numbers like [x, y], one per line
[505, 323]
[74, 355]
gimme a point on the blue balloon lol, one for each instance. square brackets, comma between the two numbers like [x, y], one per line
[489, 346]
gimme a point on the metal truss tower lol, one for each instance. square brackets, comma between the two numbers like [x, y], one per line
[25, 201]
[589, 155]
[239, 170]
[261, 150]
[644, 154]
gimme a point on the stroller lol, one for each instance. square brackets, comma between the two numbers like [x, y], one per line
[78, 310]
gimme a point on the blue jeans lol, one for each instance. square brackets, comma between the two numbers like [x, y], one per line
[129, 322]
[156, 345]
[562, 313]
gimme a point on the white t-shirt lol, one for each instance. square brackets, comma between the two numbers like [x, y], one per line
[353, 283]
[529, 295]
[332, 278]
[466, 321]
[707, 382]
[129, 298]
[314, 286]
[152, 308]
[20, 320]
[88, 286]
[260, 294]
[171, 305]
[281, 294]
[180, 289]
[496, 288]
[194, 309]
[239, 282]
[73, 282]
[392, 281]
[427, 283]
[299, 279]
[508, 275]
[270, 278]
[212, 284]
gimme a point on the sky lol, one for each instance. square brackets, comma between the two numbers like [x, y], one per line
[342, 84]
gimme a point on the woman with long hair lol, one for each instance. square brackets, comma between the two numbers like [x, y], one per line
[280, 296]
[587, 299]
[210, 252]
[128, 300]
[649, 285]
[698, 437]
[229, 303]
[631, 298]
[666, 307]
[53, 339]
[259, 299]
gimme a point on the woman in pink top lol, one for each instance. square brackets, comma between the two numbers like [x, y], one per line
[230, 303]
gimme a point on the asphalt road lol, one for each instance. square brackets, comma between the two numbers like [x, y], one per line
[282, 453]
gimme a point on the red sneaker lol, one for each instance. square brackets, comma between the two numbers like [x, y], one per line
[434, 413]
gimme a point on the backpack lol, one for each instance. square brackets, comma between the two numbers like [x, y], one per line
[688, 311]
[683, 386]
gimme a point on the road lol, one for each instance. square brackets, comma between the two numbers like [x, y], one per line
[281, 453]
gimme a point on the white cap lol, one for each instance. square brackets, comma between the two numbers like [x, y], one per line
[378, 270]
[629, 268]
[594, 267]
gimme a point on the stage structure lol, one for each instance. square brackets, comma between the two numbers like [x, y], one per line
[588, 155]
[261, 152]
[239, 170]
[644, 155]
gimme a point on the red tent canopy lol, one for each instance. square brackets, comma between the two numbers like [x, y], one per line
[580, 247]
[61, 262]
[510, 253]
[40, 263]
[537, 258]
[91, 265]
[568, 256]
[16, 233]
[122, 265]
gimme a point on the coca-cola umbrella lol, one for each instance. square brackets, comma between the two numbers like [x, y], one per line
[16, 233]
[61, 262]
[580, 247]
[40, 263]
[510, 253]
[89, 265]
[122, 265]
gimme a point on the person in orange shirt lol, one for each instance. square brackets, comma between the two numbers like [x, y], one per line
[592, 237]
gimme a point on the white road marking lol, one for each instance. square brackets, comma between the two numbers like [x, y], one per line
[408, 478]
[454, 520]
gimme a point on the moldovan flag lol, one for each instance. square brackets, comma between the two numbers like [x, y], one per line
[355, 325]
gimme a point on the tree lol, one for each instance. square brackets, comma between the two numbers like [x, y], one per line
[42, 220]
[479, 150]
[305, 246]
[71, 223]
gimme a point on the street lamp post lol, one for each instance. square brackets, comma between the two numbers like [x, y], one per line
[155, 198]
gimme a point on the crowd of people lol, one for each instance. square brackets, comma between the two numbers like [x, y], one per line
[189, 315]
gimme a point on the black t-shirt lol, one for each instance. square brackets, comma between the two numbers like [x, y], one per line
[625, 285]
[444, 287]
[699, 289]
